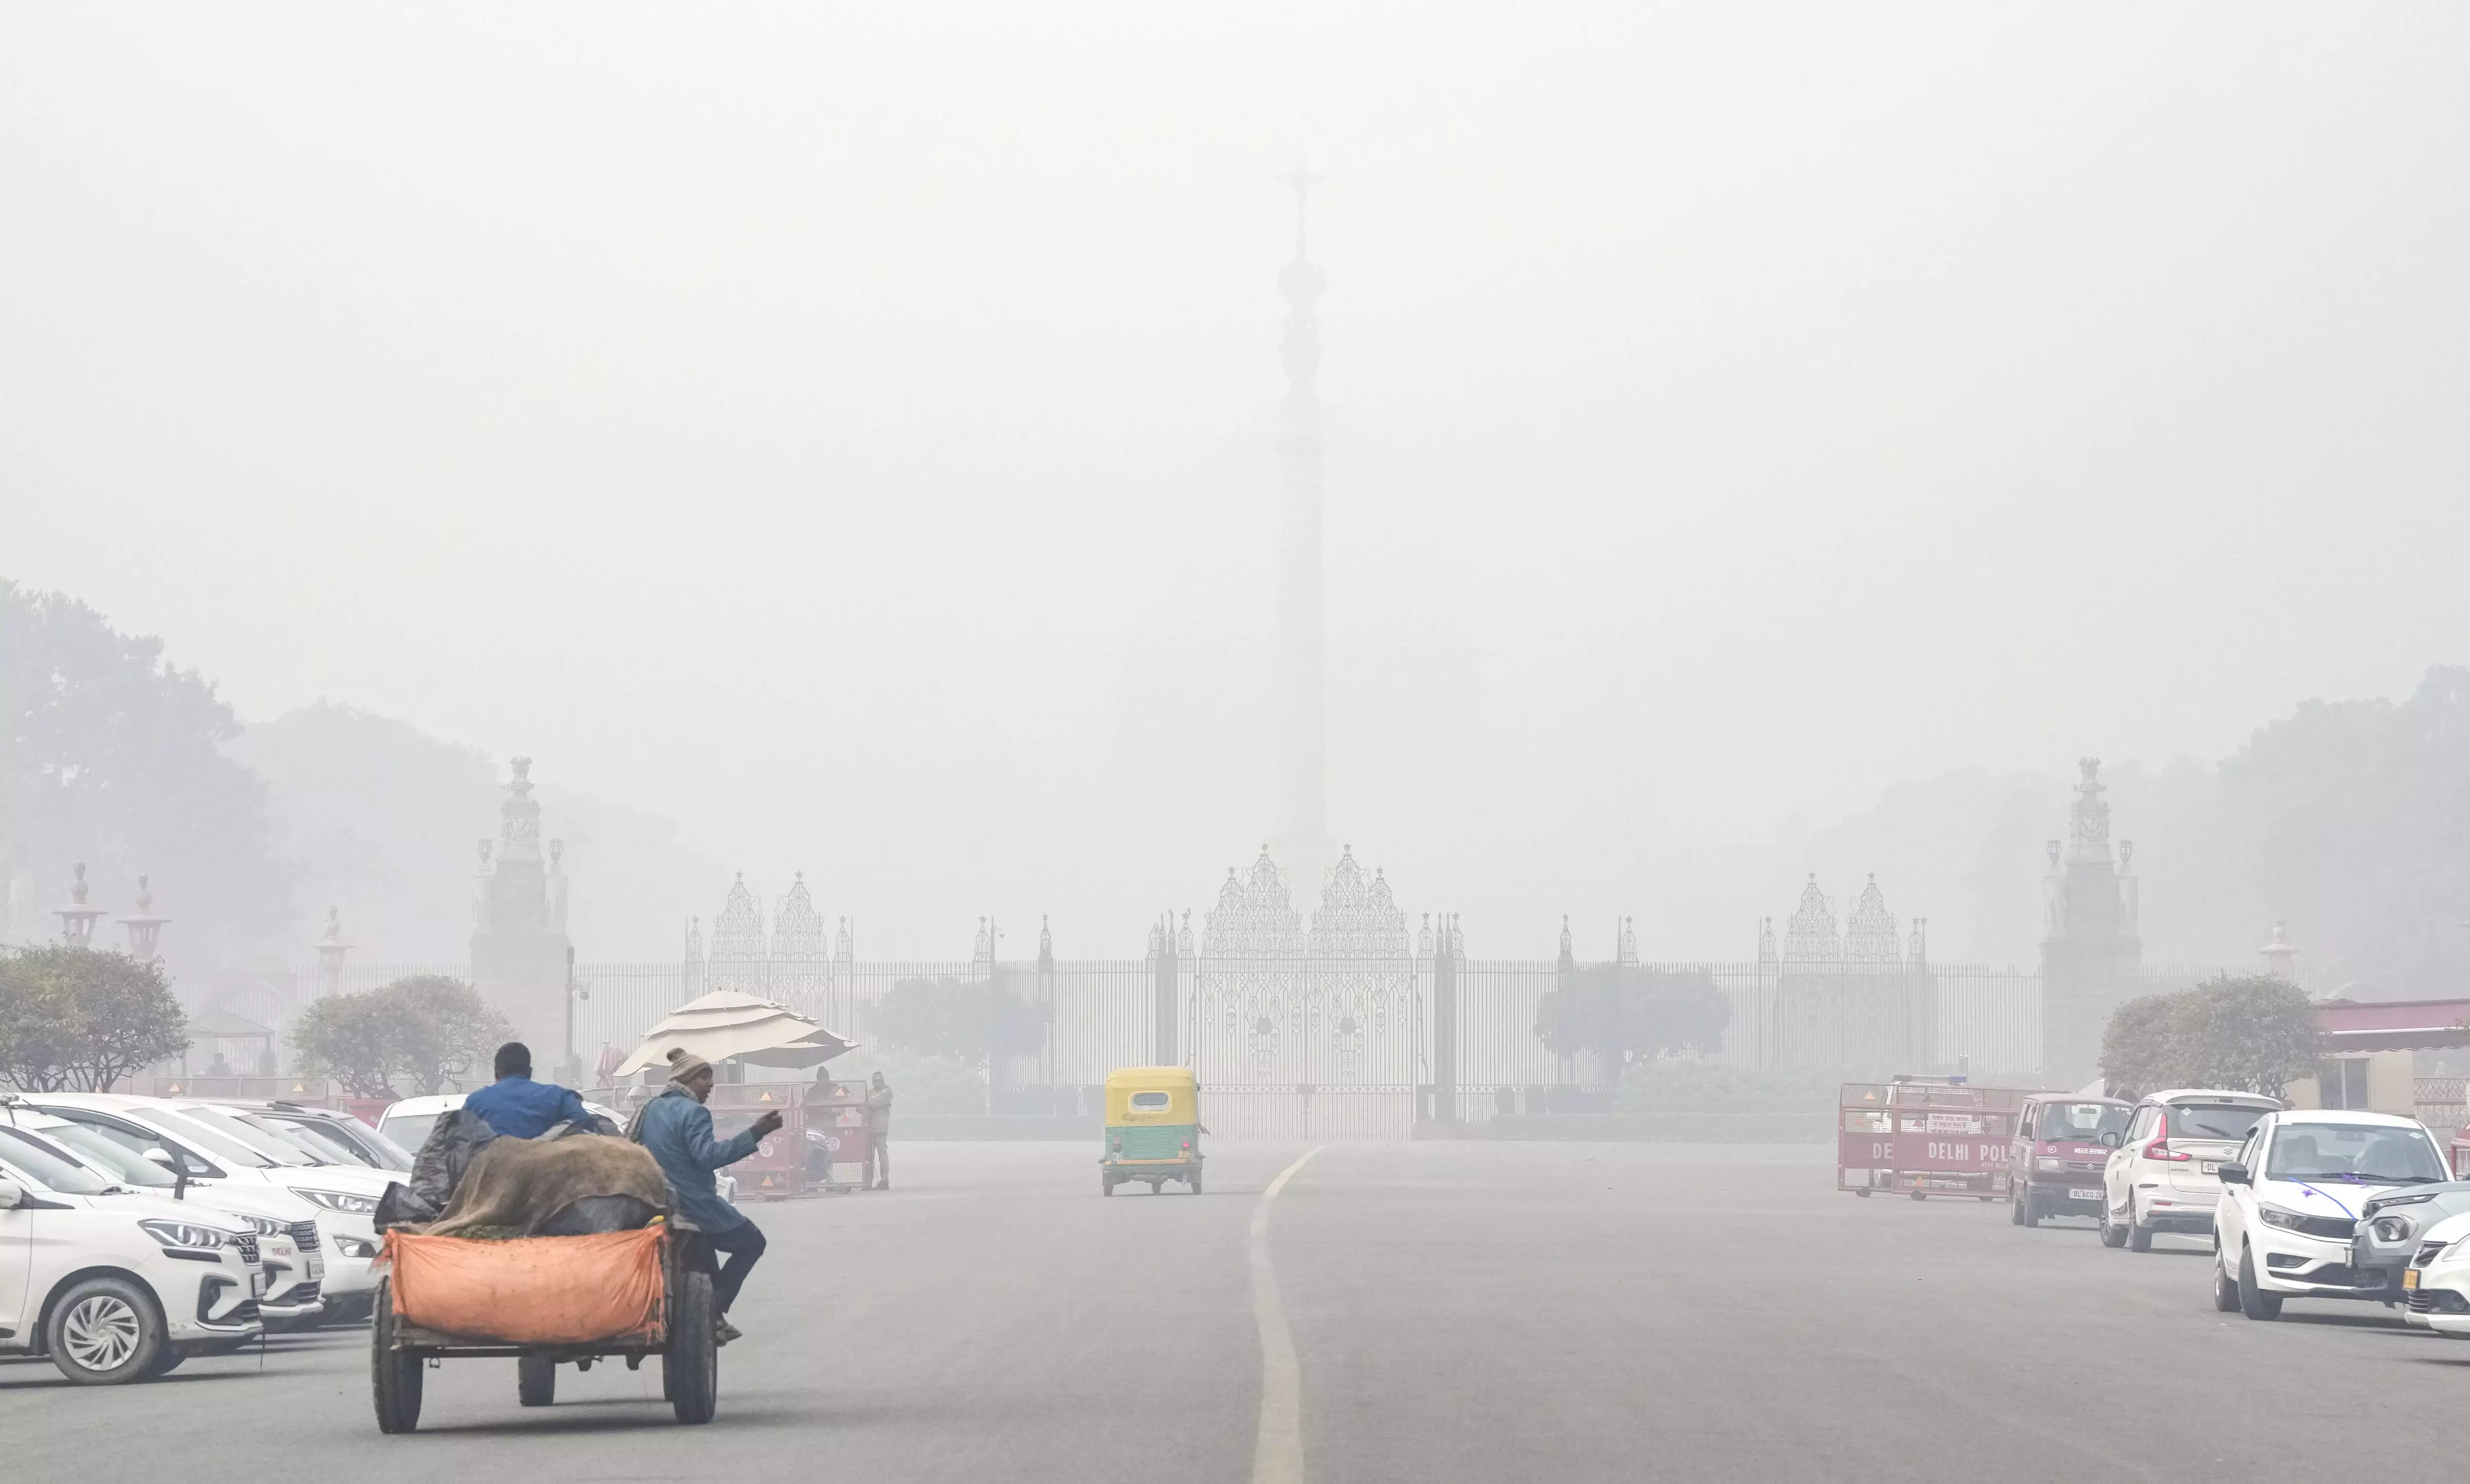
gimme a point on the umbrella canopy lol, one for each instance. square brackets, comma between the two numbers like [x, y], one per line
[725, 1024]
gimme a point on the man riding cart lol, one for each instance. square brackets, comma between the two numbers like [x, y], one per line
[576, 1247]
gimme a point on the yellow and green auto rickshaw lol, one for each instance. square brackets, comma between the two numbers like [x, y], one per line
[1153, 1128]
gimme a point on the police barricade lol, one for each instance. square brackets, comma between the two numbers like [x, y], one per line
[1926, 1136]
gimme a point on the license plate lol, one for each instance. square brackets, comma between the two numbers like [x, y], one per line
[2410, 1277]
[256, 1283]
[2211, 1166]
[316, 1266]
[2082, 1194]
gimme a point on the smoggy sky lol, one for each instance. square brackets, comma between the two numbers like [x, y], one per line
[847, 430]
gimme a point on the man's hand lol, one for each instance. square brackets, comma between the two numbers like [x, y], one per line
[768, 1124]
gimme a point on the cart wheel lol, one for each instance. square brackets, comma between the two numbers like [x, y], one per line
[690, 1367]
[535, 1381]
[394, 1375]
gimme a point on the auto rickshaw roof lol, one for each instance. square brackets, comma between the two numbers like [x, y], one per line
[1138, 1078]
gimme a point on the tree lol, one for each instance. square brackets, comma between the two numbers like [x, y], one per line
[111, 758]
[424, 1029]
[1626, 1013]
[83, 1018]
[2252, 1032]
[963, 1020]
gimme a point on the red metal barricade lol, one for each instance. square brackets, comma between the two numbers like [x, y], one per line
[1926, 1136]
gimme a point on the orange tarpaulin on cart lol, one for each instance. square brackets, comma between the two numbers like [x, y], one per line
[530, 1290]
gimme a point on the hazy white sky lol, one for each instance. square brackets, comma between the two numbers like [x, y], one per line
[847, 428]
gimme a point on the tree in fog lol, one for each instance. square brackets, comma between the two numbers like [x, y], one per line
[1626, 1013]
[961, 1020]
[114, 758]
[80, 1019]
[2254, 1033]
[422, 1031]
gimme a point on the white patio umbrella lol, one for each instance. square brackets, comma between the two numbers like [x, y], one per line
[725, 1024]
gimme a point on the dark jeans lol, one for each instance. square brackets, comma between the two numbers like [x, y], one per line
[744, 1243]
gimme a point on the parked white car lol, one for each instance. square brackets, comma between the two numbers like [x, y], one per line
[219, 1145]
[2163, 1174]
[2290, 1202]
[287, 1247]
[112, 1285]
[2437, 1279]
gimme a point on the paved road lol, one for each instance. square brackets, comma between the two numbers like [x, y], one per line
[1469, 1311]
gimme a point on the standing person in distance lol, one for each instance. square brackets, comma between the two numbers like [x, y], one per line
[676, 1128]
[878, 1133]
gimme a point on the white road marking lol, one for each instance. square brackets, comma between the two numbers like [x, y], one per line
[1278, 1447]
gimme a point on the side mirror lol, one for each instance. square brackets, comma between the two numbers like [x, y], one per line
[2112, 1139]
[11, 1193]
[179, 1170]
[2235, 1174]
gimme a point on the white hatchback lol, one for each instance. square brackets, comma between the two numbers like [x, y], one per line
[2162, 1173]
[112, 1285]
[2290, 1202]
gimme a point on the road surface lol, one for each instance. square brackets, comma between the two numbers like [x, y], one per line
[1459, 1312]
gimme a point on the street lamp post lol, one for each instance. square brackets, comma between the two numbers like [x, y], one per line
[76, 918]
[145, 929]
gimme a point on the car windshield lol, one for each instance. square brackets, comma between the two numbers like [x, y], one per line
[2218, 1121]
[131, 1167]
[48, 1166]
[2347, 1153]
[374, 1147]
[267, 1142]
[2081, 1122]
[410, 1131]
[331, 1148]
[206, 1134]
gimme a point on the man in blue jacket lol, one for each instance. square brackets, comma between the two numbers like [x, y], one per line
[518, 1107]
[676, 1127]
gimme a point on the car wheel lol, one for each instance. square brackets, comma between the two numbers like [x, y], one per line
[2254, 1302]
[2225, 1288]
[2139, 1237]
[104, 1332]
[2110, 1236]
[2015, 1210]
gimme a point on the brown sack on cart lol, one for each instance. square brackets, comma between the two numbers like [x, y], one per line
[530, 1290]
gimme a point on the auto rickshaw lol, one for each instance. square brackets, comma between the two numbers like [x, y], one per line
[1153, 1128]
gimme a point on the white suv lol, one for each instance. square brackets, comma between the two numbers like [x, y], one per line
[112, 1285]
[2163, 1174]
[2290, 1202]
[287, 1247]
[219, 1146]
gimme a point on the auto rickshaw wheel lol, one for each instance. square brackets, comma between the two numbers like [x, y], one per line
[535, 1381]
[1105, 1183]
[1196, 1180]
[1920, 1196]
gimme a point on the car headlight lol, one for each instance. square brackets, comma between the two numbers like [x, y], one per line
[337, 1200]
[356, 1247]
[2047, 1162]
[2390, 1201]
[2392, 1228]
[2287, 1220]
[268, 1226]
[184, 1234]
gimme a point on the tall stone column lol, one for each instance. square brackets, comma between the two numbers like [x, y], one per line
[519, 942]
[1303, 830]
[2091, 955]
